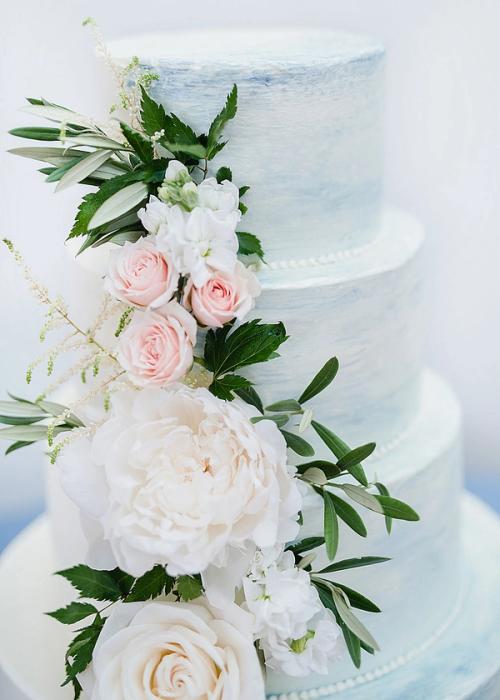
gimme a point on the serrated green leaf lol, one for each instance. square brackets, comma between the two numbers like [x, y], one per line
[227, 113]
[324, 377]
[189, 588]
[153, 115]
[339, 449]
[353, 563]
[152, 584]
[355, 456]
[298, 444]
[81, 650]
[384, 491]
[123, 580]
[74, 612]
[251, 343]
[225, 387]
[141, 145]
[224, 173]
[119, 204]
[249, 244]
[330, 526]
[349, 515]
[92, 583]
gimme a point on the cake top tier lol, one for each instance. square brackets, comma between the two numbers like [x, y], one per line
[307, 138]
[267, 47]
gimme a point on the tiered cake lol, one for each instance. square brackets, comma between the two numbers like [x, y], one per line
[346, 276]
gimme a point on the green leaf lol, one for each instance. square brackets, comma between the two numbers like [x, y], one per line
[298, 444]
[357, 600]
[355, 456]
[82, 169]
[349, 515]
[92, 583]
[306, 545]
[224, 173]
[353, 645]
[123, 580]
[223, 387]
[195, 150]
[189, 588]
[397, 509]
[350, 620]
[286, 405]
[243, 190]
[339, 449]
[354, 563]
[153, 115]
[17, 446]
[49, 154]
[151, 585]
[279, 419]
[330, 526]
[250, 396]
[361, 496]
[29, 433]
[38, 133]
[95, 141]
[249, 244]
[251, 343]
[81, 649]
[92, 201]
[119, 204]
[74, 612]
[325, 376]
[141, 145]
[328, 468]
[384, 491]
[227, 113]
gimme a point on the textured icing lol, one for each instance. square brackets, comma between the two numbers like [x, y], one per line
[425, 470]
[308, 135]
[367, 310]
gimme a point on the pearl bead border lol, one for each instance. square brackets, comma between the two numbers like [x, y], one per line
[329, 259]
[380, 671]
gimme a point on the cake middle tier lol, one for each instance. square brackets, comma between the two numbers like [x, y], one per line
[367, 310]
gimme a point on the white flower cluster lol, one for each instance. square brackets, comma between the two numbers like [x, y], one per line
[297, 635]
[184, 272]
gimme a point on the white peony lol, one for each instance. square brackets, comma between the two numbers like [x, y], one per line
[179, 477]
[282, 599]
[322, 644]
[200, 242]
[222, 197]
[167, 650]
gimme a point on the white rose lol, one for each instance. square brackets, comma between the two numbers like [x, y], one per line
[223, 197]
[186, 480]
[282, 600]
[165, 650]
[154, 217]
[313, 653]
[200, 242]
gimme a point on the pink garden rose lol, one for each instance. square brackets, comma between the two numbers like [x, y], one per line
[157, 346]
[139, 274]
[226, 295]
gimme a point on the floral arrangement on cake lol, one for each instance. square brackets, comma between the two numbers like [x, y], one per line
[191, 491]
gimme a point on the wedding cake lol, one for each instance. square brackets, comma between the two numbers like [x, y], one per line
[345, 276]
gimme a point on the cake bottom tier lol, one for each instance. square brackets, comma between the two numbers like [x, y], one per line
[459, 660]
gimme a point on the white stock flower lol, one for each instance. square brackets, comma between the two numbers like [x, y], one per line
[322, 644]
[179, 477]
[223, 197]
[166, 650]
[200, 242]
[154, 216]
[177, 172]
[281, 598]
